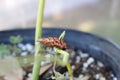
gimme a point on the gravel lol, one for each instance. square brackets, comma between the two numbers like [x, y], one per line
[25, 53]
[83, 65]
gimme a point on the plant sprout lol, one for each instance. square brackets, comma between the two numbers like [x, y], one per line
[15, 39]
[6, 49]
[64, 62]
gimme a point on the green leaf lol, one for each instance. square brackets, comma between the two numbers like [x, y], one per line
[17, 50]
[62, 35]
[4, 51]
[15, 39]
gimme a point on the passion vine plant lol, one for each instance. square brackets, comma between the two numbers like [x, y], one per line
[57, 43]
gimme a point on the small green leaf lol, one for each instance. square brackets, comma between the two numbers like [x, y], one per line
[15, 39]
[17, 50]
[4, 51]
[62, 35]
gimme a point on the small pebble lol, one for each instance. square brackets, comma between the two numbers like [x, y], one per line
[115, 78]
[29, 74]
[72, 54]
[84, 55]
[84, 77]
[53, 78]
[22, 46]
[81, 76]
[29, 47]
[90, 60]
[67, 74]
[102, 78]
[42, 63]
[73, 67]
[111, 74]
[85, 65]
[97, 76]
[78, 58]
[24, 54]
[91, 65]
[77, 61]
[100, 64]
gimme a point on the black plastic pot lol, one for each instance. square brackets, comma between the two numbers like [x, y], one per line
[97, 47]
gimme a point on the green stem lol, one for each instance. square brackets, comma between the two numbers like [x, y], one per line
[38, 35]
[36, 67]
[55, 64]
[64, 54]
[69, 70]
[39, 19]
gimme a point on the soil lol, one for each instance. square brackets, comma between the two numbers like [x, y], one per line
[84, 67]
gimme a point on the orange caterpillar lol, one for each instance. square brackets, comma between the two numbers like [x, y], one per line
[53, 42]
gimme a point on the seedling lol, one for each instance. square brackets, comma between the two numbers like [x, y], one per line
[15, 39]
[7, 50]
[4, 51]
[64, 61]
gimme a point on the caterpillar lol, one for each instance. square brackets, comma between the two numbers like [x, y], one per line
[53, 42]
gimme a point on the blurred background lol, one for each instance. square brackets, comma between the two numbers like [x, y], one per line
[101, 17]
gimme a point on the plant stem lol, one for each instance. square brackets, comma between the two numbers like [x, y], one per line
[38, 35]
[69, 70]
[36, 68]
[39, 19]
[54, 65]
